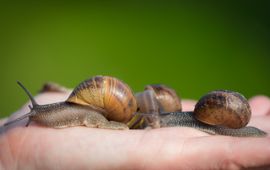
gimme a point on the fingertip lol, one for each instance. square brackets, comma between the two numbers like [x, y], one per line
[260, 105]
[188, 105]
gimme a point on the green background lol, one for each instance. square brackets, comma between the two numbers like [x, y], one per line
[193, 47]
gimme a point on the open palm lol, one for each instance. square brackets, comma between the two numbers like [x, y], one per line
[37, 147]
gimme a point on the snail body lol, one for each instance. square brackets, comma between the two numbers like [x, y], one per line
[102, 102]
[187, 119]
[220, 112]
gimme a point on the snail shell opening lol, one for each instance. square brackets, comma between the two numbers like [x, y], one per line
[223, 107]
[107, 94]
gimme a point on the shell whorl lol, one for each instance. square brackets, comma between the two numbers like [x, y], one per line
[107, 94]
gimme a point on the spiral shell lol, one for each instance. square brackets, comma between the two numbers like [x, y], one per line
[224, 108]
[112, 97]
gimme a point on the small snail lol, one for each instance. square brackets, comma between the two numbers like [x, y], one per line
[153, 100]
[220, 112]
[102, 102]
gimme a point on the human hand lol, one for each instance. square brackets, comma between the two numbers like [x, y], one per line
[37, 147]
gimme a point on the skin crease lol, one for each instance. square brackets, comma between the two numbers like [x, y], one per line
[37, 147]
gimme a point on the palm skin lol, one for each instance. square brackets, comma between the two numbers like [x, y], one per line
[37, 147]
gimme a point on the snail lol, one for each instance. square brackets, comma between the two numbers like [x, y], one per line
[153, 100]
[101, 102]
[220, 112]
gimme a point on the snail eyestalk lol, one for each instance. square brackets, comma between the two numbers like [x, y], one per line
[34, 103]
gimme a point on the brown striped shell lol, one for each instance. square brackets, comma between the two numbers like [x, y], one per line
[112, 97]
[166, 97]
[224, 108]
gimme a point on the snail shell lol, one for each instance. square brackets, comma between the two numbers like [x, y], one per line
[113, 98]
[224, 108]
[167, 98]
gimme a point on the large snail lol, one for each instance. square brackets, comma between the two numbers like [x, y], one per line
[102, 102]
[220, 112]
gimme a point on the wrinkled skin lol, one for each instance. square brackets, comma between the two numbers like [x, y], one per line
[37, 147]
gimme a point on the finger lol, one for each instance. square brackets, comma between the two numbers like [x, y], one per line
[260, 105]
[261, 122]
[226, 152]
[53, 87]
[188, 105]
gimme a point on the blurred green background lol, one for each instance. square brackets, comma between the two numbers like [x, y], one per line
[193, 47]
